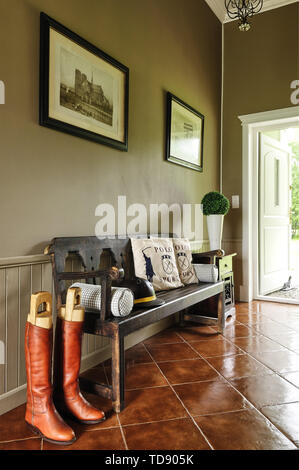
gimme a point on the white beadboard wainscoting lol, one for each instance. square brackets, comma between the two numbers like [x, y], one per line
[19, 277]
[22, 276]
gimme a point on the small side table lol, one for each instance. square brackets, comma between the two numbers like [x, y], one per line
[204, 310]
[226, 274]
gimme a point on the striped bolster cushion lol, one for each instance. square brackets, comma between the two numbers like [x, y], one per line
[122, 298]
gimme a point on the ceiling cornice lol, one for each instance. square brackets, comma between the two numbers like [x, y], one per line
[218, 7]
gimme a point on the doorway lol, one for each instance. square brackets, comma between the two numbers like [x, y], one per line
[253, 127]
[278, 214]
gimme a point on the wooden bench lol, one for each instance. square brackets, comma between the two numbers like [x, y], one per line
[98, 257]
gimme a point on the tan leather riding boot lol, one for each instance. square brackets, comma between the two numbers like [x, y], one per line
[67, 361]
[41, 414]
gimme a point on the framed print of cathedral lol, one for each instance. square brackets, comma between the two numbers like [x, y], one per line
[83, 91]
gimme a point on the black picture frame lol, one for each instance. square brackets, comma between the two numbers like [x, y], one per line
[104, 120]
[184, 120]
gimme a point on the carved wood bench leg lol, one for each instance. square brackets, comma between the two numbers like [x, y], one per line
[118, 372]
[221, 312]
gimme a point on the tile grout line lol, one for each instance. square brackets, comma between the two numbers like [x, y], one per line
[265, 319]
[291, 383]
[276, 323]
[258, 334]
[256, 304]
[276, 341]
[19, 440]
[189, 414]
[122, 432]
[101, 428]
[279, 374]
[184, 417]
[154, 422]
[248, 401]
[174, 384]
[223, 412]
[280, 404]
[219, 373]
[265, 365]
[149, 343]
[243, 353]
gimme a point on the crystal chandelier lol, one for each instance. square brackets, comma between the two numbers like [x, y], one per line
[243, 9]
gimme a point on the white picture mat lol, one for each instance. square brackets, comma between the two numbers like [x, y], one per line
[112, 79]
[185, 135]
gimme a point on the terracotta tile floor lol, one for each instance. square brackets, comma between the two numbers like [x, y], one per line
[190, 388]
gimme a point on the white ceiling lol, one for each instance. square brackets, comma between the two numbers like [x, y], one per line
[218, 7]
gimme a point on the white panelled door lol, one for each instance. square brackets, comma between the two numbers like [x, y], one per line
[274, 214]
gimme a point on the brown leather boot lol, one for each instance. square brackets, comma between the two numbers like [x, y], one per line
[67, 361]
[41, 414]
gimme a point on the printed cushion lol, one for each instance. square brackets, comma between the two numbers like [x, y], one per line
[122, 298]
[206, 272]
[154, 260]
[183, 254]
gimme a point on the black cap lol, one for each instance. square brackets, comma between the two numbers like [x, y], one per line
[144, 293]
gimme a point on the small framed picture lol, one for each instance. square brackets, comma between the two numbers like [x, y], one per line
[83, 91]
[185, 131]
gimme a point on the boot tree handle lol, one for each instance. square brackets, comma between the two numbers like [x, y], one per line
[42, 319]
[72, 310]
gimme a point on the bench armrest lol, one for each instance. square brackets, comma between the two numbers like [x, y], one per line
[208, 257]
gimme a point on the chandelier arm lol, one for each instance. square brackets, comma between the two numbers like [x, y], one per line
[254, 9]
[257, 5]
[229, 4]
[243, 9]
[232, 15]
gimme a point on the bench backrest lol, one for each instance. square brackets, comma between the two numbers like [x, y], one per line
[91, 251]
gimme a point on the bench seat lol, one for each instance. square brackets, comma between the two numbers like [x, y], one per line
[176, 300]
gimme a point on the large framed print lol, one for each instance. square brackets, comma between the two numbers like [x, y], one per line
[83, 91]
[185, 132]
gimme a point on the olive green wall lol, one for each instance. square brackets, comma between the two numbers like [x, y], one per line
[51, 182]
[259, 66]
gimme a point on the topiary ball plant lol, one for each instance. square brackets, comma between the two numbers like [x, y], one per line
[215, 203]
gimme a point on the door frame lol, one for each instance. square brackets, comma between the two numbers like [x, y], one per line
[252, 125]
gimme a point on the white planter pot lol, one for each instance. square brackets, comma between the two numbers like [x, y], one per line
[215, 228]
